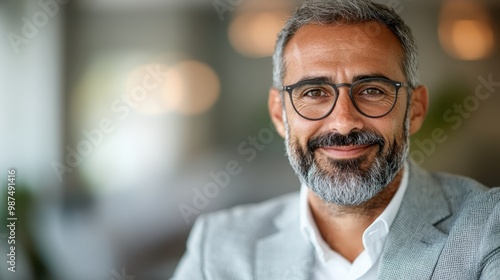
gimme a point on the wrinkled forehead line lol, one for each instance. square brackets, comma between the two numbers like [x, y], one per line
[366, 28]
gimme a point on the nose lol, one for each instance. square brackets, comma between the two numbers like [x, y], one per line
[345, 117]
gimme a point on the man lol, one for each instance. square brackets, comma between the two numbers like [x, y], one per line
[346, 97]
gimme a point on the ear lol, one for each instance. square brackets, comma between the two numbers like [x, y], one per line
[276, 110]
[419, 107]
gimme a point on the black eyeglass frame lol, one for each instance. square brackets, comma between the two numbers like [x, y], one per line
[397, 85]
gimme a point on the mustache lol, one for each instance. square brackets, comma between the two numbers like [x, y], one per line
[358, 137]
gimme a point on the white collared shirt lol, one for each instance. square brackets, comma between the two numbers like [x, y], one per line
[331, 265]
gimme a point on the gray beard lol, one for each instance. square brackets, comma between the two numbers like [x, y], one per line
[349, 182]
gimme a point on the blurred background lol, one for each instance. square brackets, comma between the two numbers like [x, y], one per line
[126, 119]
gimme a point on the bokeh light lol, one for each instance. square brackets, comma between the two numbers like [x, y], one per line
[253, 34]
[472, 39]
[147, 89]
[187, 87]
[191, 88]
[465, 30]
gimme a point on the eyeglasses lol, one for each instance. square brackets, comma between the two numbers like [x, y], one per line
[372, 97]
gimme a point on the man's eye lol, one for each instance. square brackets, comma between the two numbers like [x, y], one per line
[372, 93]
[315, 93]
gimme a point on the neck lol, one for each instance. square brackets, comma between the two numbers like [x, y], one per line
[342, 227]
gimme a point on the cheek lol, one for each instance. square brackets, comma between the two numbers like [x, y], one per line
[300, 129]
[391, 126]
[400, 109]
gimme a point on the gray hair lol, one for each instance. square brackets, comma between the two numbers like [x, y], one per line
[347, 12]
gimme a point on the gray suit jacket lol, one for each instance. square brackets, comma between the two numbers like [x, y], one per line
[448, 227]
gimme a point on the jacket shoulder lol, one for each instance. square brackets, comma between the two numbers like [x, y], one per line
[252, 218]
[464, 193]
[473, 243]
[222, 244]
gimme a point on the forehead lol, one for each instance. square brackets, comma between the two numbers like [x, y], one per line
[342, 52]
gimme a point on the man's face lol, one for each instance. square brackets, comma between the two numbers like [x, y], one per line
[346, 158]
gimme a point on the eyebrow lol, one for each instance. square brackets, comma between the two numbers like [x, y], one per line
[369, 76]
[325, 79]
[329, 79]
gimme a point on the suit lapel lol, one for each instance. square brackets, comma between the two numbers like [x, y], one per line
[284, 253]
[414, 243]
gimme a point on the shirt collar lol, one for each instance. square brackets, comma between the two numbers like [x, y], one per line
[374, 236]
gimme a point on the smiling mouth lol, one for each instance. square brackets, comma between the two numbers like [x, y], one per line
[346, 152]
